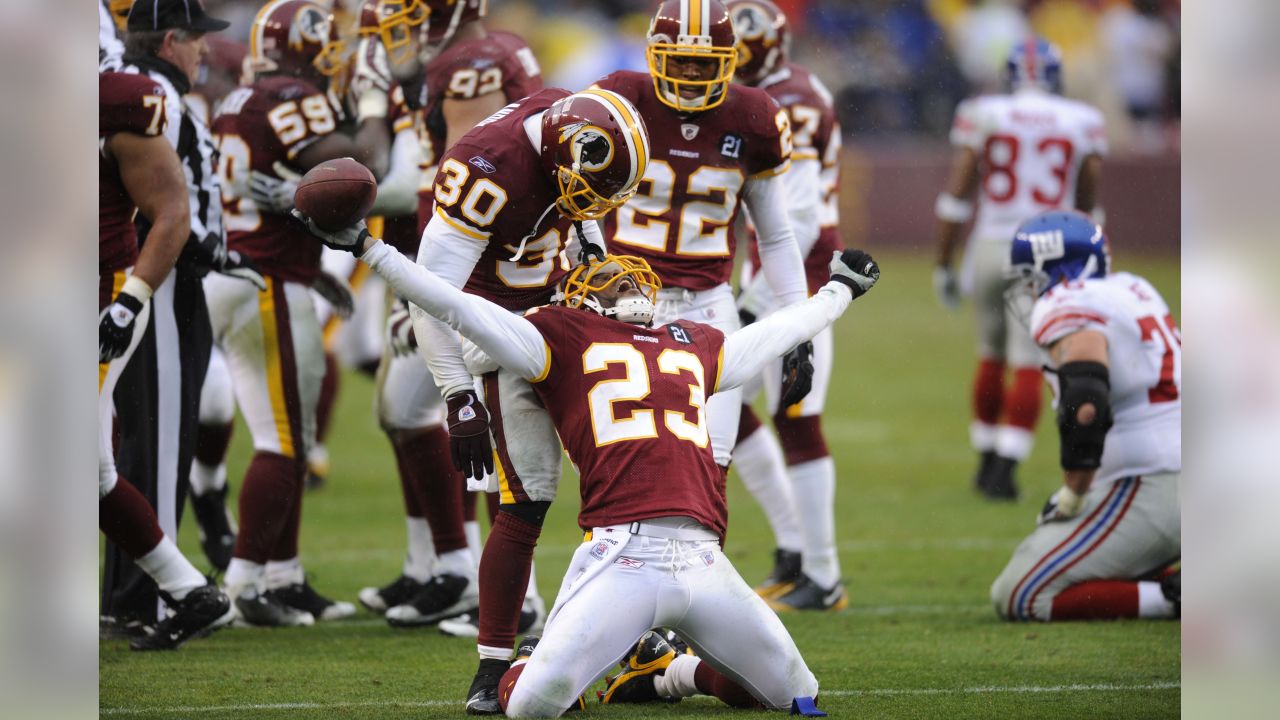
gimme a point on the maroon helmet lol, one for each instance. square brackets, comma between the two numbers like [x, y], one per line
[596, 146]
[296, 37]
[419, 27]
[692, 54]
[764, 38]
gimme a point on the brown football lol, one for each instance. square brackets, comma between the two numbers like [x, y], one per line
[336, 193]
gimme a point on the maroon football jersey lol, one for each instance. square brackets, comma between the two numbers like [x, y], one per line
[257, 126]
[681, 219]
[492, 186]
[815, 135]
[628, 402]
[468, 69]
[127, 103]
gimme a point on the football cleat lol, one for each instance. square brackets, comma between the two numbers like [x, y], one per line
[532, 617]
[999, 482]
[268, 610]
[398, 592]
[678, 644]
[808, 595]
[301, 596]
[482, 698]
[982, 478]
[1171, 587]
[444, 596]
[202, 611]
[635, 683]
[786, 571]
[216, 527]
[119, 628]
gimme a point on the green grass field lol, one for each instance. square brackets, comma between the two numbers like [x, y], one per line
[919, 550]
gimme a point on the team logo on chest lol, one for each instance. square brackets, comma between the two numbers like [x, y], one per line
[688, 131]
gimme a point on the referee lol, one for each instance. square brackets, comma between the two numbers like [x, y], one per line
[157, 398]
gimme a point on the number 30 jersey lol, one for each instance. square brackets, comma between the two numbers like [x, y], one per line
[1144, 349]
[629, 404]
[1030, 147]
[681, 219]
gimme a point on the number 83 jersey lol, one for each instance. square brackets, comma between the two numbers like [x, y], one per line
[681, 218]
[1144, 350]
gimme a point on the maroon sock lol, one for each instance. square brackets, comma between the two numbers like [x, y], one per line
[988, 391]
[801, 437]
[504, 576]
[212, 441]
[1097, 600]
[709, 681]
[128, 520]
[286, 546]
[426, 458]
[469, 506]
[328, 396]
[266, 499]
[508, 684]
[1026, 395]
[408, 488]
[492, 503]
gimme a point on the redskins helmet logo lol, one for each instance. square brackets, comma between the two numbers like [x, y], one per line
[589, 146]
[310, 25]
[750, 22]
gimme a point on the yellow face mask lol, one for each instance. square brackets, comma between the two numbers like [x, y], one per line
[585, 282]
[666, 66]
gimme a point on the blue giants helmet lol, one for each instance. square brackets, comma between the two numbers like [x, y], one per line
[1058, 246]
[1035, 63]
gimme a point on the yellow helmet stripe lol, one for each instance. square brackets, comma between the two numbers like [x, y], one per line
[638, 147]
[259, 25]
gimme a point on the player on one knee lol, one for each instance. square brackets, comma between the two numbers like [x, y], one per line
[1106, 539]
[1021, 153]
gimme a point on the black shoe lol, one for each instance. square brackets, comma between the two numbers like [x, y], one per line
[1171, 587]
[808, 595]
[216, 527]
[786, 571]
[482, 698]
[301, 596]
[264, 609]
[982, 478]
[1000, 484]
[468, 623]
[202, 611]
[652, 656]
[678, 644]
[121, 628]
[443, 596]
[400, 591]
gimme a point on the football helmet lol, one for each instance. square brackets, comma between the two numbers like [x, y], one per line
[1058, 246]
[295, 37]
[692, 54]
[764, 38]
[420, 28]
[1035, 63]
[119, 10]
[581, 288]
[596, 147]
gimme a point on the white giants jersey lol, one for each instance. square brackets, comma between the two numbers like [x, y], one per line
[1144, 350]
[1030, 147]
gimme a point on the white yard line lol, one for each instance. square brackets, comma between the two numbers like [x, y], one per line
[882, 692]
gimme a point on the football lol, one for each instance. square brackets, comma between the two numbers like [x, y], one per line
[336, 193]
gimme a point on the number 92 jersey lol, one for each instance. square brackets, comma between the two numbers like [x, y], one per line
[681, 219]
[256, 127]
[629, 404]
[1030, 147]
[1144, 348]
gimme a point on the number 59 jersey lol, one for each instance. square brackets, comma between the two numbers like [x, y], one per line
[1030, 148]
[1144, 349]
[629, 404]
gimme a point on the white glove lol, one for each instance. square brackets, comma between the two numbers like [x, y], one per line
[1062, 505]
[400, 335]
[947, 287]
[337, 293]
[855, 269]
[270, 193]
[350, 239]
[371, 81]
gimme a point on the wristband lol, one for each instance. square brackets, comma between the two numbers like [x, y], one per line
[950, 208]
[136, 288]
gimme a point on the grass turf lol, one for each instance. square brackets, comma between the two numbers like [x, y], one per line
[919, 550]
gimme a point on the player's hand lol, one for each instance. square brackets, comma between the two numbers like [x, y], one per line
[797, 373]
[210, 251]
[755, 301]
[238, 265]
[946, 287]
[1062, 505]
[855, 269]
[371, 80]
[115, 326]
[349, 239]
[337, 293]
[400, 336]
[469, 435]
[271, 193]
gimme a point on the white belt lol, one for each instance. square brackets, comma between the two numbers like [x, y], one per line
[675, 294]
[687, 534]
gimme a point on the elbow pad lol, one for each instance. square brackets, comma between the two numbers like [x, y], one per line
[1080, 384]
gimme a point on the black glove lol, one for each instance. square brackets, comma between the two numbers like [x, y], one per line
[240, 266]
[400, 335]
[206, 254]
[797, 373]
[745, 317]
[337, 293]
[115, 327]
[469, 435]
[855, 269]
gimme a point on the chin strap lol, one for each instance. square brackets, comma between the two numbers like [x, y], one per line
[525, 240]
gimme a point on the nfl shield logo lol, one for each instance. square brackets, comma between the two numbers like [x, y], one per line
[689, 131]
[599, 550]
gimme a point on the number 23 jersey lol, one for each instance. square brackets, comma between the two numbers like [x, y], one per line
[629, 404]
[1144, 349]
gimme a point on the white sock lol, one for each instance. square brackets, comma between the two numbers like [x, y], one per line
[318, 459]
[531, 590]
[207, 478]
[472, 530]
[677, 680]
[172, 572]
[982, 436]
[495, 653]
[758, 460]
[283, 573]
[1014, 442]
[1152, 603]
[241, 575]
[458, 562]
[813, 485]
[420, 560]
